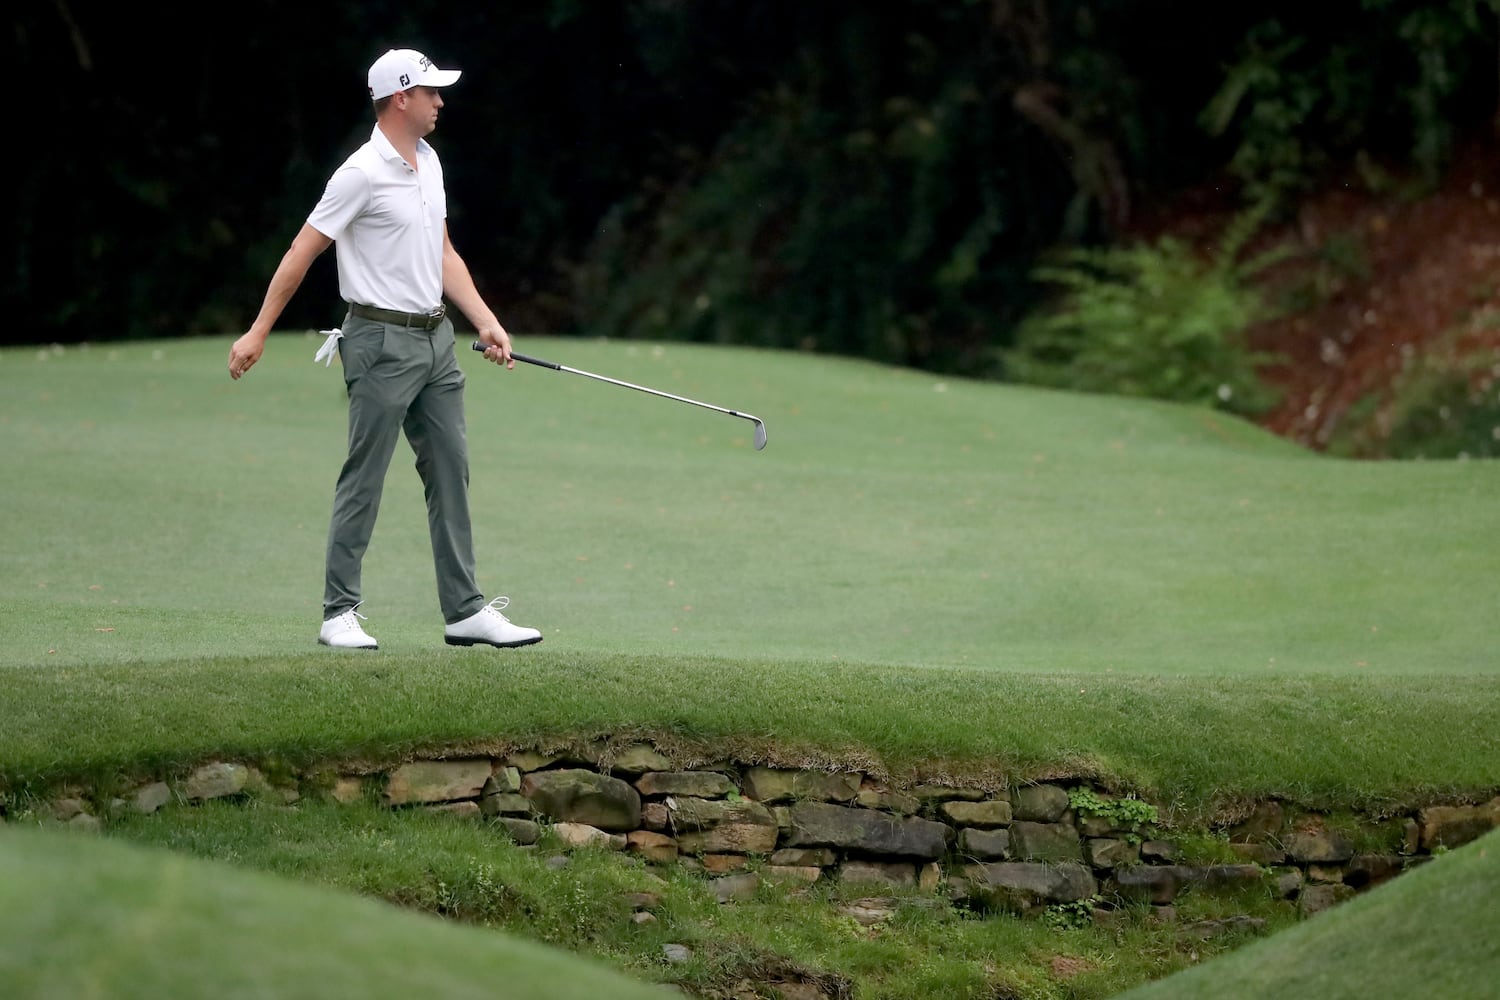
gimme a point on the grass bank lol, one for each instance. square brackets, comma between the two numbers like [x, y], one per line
[1425, 934]
[1206, 743]
[919, 947]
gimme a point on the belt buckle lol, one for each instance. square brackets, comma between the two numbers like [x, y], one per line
[434, 317]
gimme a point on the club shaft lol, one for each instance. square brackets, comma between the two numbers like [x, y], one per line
[641, 388]
[478, 346]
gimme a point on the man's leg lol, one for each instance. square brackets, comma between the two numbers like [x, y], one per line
[436, 429]
[381, 385]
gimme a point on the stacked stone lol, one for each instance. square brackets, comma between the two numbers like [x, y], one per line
[841, 824]
[1018, 850]
[1319, 867]
[1026, 851]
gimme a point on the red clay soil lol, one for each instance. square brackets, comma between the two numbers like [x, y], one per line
[1407, 273]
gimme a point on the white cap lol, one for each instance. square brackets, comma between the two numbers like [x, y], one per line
[402, 69]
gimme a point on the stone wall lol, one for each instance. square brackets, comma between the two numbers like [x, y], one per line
[1027, 848]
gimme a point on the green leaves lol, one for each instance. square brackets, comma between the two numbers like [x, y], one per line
[1305, 91]
[1156, 320]
[1125, 814]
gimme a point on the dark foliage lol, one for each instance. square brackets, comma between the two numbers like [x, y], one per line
[868, 179]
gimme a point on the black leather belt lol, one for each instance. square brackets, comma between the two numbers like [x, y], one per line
[417, 321]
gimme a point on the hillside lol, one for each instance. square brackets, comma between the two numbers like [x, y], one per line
[1387, 278]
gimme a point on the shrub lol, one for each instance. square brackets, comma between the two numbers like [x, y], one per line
[1156, 320]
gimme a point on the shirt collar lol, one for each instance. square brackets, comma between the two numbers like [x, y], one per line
[388, 152]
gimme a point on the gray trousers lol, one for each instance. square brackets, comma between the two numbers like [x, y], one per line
[403, 379]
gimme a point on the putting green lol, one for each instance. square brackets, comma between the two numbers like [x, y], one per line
[895, 518]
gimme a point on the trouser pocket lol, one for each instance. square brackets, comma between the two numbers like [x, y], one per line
[362, 348]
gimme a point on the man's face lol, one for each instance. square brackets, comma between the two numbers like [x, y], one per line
[421, 109]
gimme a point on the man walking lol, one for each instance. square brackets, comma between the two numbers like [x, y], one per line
[386, 210]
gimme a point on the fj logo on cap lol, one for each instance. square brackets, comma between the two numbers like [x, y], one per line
[405, 79]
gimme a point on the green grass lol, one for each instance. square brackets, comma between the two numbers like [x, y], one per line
[917, 576]
[915, 571]
[77, 913]
[1330, 742]
[894, 519]
[471, 874]
[1429, 933]
[85, 918]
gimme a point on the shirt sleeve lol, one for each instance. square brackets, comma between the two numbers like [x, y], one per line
[345, 196]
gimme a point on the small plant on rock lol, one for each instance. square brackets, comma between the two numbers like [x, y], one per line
[1131, 815]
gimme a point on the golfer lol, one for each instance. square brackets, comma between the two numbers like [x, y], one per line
[386, 210]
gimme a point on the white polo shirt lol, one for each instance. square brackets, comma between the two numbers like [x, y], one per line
[386, 221]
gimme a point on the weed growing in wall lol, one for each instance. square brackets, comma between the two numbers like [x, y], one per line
[1128, 814]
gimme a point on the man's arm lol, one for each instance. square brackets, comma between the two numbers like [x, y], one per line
[305, 248]
[458, 286]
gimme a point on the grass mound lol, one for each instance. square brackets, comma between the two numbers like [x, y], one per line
[84, 917]
[1429, 933]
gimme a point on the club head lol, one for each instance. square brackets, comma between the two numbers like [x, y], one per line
[760, 434]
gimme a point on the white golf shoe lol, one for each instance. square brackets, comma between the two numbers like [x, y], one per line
[345, 632]
[489, 627]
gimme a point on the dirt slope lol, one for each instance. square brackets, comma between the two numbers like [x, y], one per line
[1381, 279]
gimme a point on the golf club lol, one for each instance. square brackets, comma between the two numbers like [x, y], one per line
[760, 427]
